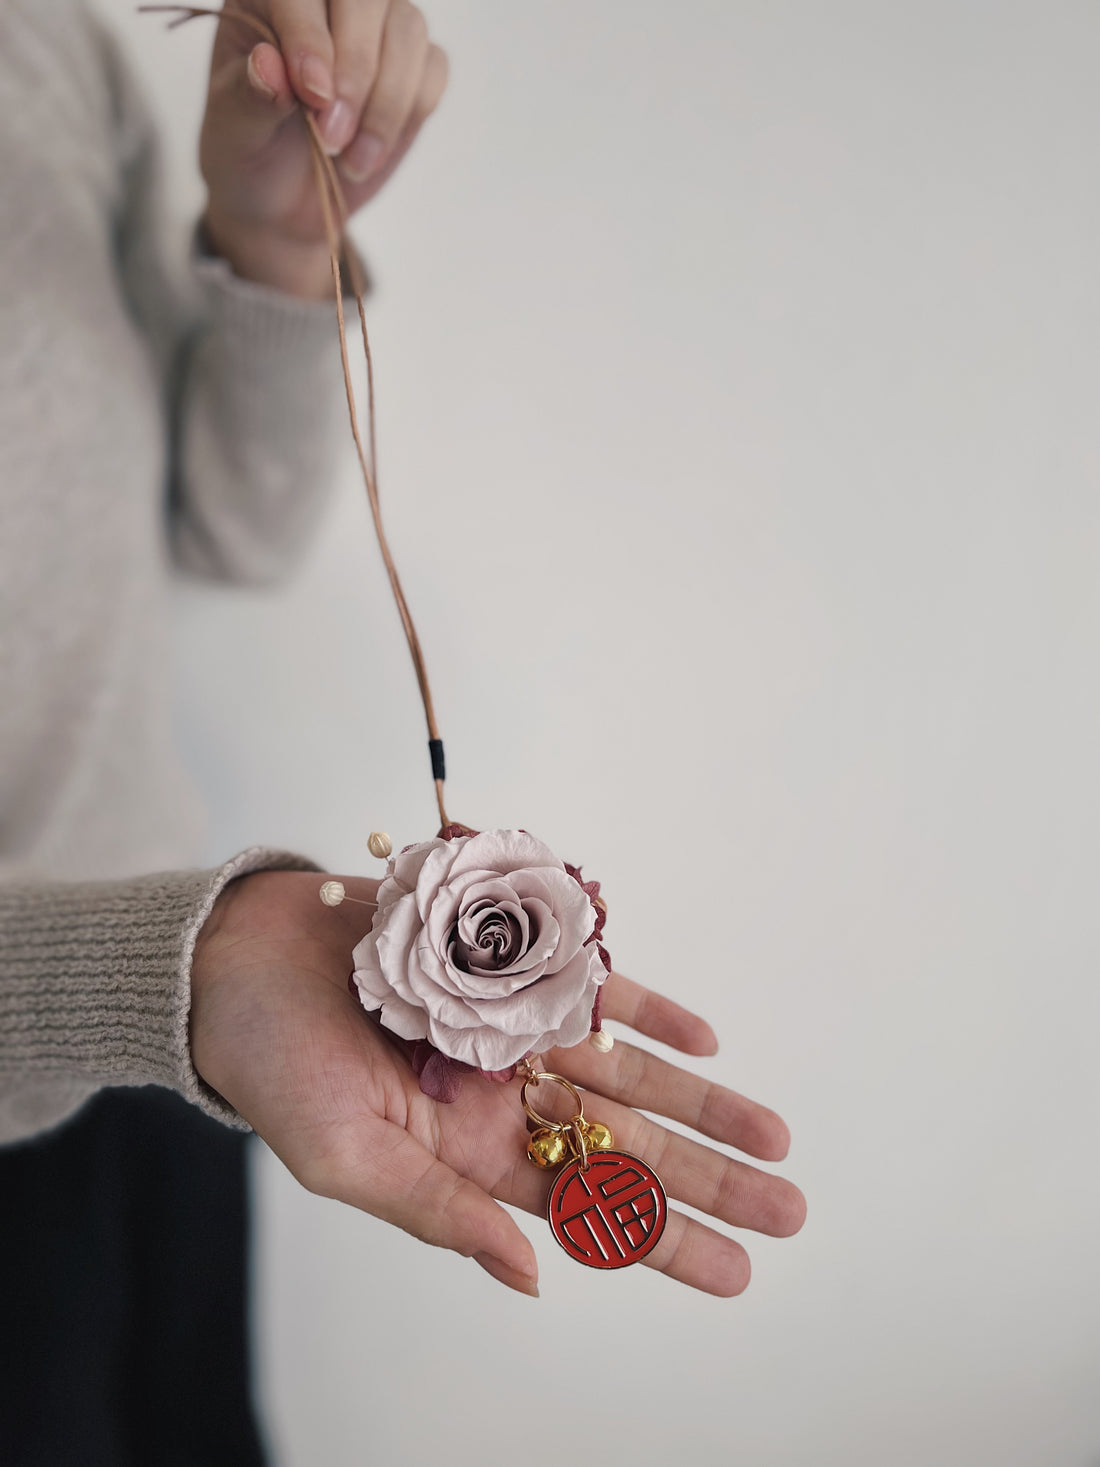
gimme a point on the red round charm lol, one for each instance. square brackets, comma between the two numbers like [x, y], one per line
[610, 1215]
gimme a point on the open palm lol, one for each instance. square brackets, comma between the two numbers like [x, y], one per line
[275, 1031]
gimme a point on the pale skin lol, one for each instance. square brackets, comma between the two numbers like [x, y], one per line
[274, 1029]
[370, 75]
[276, 1032]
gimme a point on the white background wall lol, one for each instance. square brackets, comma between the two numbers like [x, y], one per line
[738, 369]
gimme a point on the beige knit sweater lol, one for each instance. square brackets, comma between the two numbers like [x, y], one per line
[142, 421]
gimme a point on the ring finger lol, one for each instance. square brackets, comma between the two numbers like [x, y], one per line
[393, 94]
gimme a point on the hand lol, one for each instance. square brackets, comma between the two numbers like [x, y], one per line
[370, 74]
[275, 1031]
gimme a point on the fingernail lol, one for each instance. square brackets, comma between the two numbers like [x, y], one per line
[256, 80]
[363, 157]
[338, 127]
[316, 78]
[504, 1273]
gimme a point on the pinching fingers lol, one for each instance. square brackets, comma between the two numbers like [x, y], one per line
[306, 43]
[357, 28]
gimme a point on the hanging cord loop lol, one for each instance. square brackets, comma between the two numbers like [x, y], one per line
[335, 215]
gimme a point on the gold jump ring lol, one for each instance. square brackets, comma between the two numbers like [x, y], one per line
[541, 1120]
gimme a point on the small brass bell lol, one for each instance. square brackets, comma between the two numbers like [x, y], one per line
[597, 1136]
[547, 1148]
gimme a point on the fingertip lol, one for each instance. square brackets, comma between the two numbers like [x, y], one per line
[313, 80]
[695, 1037]
[256, 81]
[791, 1215]
[731, 1275]
[504, 1273]
[707, 1041]
[363, 157]
[338, 125]
[779, 1139]
[267, 75]
[778, 1210]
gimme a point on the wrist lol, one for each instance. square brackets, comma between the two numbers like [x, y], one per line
[300, 268]
[264, 923]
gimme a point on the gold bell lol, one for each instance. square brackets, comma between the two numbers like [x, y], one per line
[597, 1136]
[547, 1148]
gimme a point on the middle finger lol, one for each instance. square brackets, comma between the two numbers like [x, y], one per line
[637, 1078]
[393, 93]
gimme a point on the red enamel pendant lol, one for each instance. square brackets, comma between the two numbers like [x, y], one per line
[611, 1214]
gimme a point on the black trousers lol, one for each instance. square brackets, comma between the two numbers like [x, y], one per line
[123, 1287]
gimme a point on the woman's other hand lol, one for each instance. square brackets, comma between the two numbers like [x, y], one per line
[371, 76]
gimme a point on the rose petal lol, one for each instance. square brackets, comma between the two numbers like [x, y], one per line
[441, 920]
[406, 1021]
[406, 867]
[498, 939]
[395, 945]
[504, 851]
[479, 946]
[573, 910]
[425, 974]
[479, 920]
[435, 873]
[484, 1048]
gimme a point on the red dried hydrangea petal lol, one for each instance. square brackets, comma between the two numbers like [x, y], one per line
[501, 1077]
[440, 1076]
[454, 830]
[597, 1010]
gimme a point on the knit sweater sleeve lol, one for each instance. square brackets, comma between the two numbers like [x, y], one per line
[254, 389]
[95, 988]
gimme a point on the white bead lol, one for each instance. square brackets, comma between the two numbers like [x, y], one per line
[333, 893]
[601, 1040]
[379, 844]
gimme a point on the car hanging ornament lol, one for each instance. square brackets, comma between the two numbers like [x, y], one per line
[486, 949]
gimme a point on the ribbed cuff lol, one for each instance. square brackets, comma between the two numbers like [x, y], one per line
[262, 322]
[95, 979]
[260, 319]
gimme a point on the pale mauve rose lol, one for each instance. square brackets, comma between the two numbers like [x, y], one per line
[480, 945]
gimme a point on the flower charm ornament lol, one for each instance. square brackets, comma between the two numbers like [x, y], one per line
[485, 948]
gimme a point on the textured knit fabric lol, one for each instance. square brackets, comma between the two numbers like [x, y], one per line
[95, 987]
[143, 419]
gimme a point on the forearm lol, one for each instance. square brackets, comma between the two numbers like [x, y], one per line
[257, 408]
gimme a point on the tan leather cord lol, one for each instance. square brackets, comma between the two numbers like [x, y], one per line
[335, 214]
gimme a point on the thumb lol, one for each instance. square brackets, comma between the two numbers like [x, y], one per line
[407, 1186]
[254, 97]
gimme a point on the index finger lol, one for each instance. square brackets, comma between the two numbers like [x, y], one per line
[306, 44]
[657, 1017]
